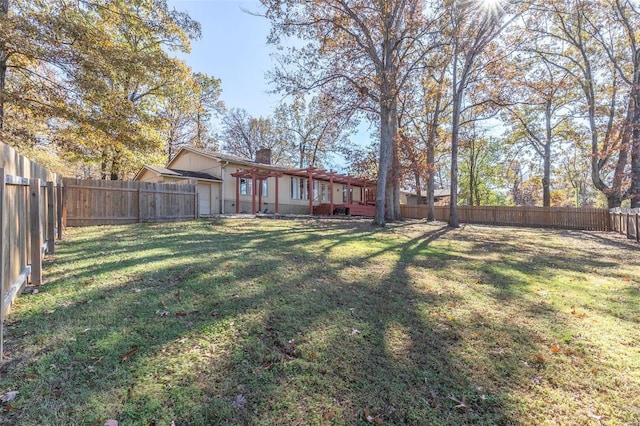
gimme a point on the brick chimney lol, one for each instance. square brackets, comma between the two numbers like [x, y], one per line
[263, 156]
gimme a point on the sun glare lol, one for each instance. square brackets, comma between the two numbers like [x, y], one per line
[492, 7]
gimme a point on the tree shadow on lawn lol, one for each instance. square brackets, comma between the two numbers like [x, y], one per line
[260, 330]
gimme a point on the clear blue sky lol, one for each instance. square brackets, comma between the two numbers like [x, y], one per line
[233, 48]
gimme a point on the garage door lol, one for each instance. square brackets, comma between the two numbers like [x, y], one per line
[204, 199]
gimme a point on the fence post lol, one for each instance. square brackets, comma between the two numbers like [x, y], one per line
[628, 228]
[35, 231]
[59, 208]
[51, 219]
[620, 223]
[2, 259]
[196, 213]
[139, 204]
[65, 194]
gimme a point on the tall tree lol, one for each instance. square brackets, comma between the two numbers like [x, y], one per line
[575, 48]
[110, 62]
[622, 44]
[187, 111]
[541, 107]
[315, 129]
[244, 135]
[473, 28]
[371, 49]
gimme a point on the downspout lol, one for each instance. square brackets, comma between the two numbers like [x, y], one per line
[222, 185]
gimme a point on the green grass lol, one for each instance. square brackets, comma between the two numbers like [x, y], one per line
[327, 322]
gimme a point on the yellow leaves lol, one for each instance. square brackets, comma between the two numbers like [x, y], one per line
[576, 313]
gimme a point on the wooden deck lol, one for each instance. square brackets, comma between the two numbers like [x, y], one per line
[344, 209]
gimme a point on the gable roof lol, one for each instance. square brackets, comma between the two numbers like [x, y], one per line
[176, 173]
[317, 173]
[226, 157]
[437, 193]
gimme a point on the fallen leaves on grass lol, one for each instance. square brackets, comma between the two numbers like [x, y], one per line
[330, 415]
[540, 359]
[111, 422]
[129, 354]
[372, 419]
[9, 396]
[555, 349]
[576, 314]
[239, 401]
[162, 313]
[462, 403]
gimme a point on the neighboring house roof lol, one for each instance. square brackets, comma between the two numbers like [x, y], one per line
[179, 173]
[442, 192]
[437, 193]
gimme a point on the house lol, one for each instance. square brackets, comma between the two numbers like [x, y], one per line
[230, 184]
[441, 197]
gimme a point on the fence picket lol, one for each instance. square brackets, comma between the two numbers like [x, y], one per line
[117, 202]
[554, 217]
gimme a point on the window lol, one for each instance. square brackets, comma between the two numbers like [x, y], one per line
[300, 189]
[265, 187]
[344, 193]
[246, 186]
[316, 190]
[295, 189]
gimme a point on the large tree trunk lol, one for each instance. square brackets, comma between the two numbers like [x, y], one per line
[395, 201]
[384, 163]
[392, 208]
[634, 190]
[4, 9]
[546, 166]
[431, 159]
[455, 137]
[431, 215]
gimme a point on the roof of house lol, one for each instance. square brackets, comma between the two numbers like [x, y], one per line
[438, 193]
[179, 173]
[315, 172]
[228, 157]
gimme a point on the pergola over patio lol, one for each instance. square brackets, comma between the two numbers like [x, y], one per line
[312, 173]
[257, 176]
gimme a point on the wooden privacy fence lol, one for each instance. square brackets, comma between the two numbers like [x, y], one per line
[626, 222]
[105, 202]
[30, 220]
[589, 219]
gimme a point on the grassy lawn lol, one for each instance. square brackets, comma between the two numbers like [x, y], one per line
[249, 321]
